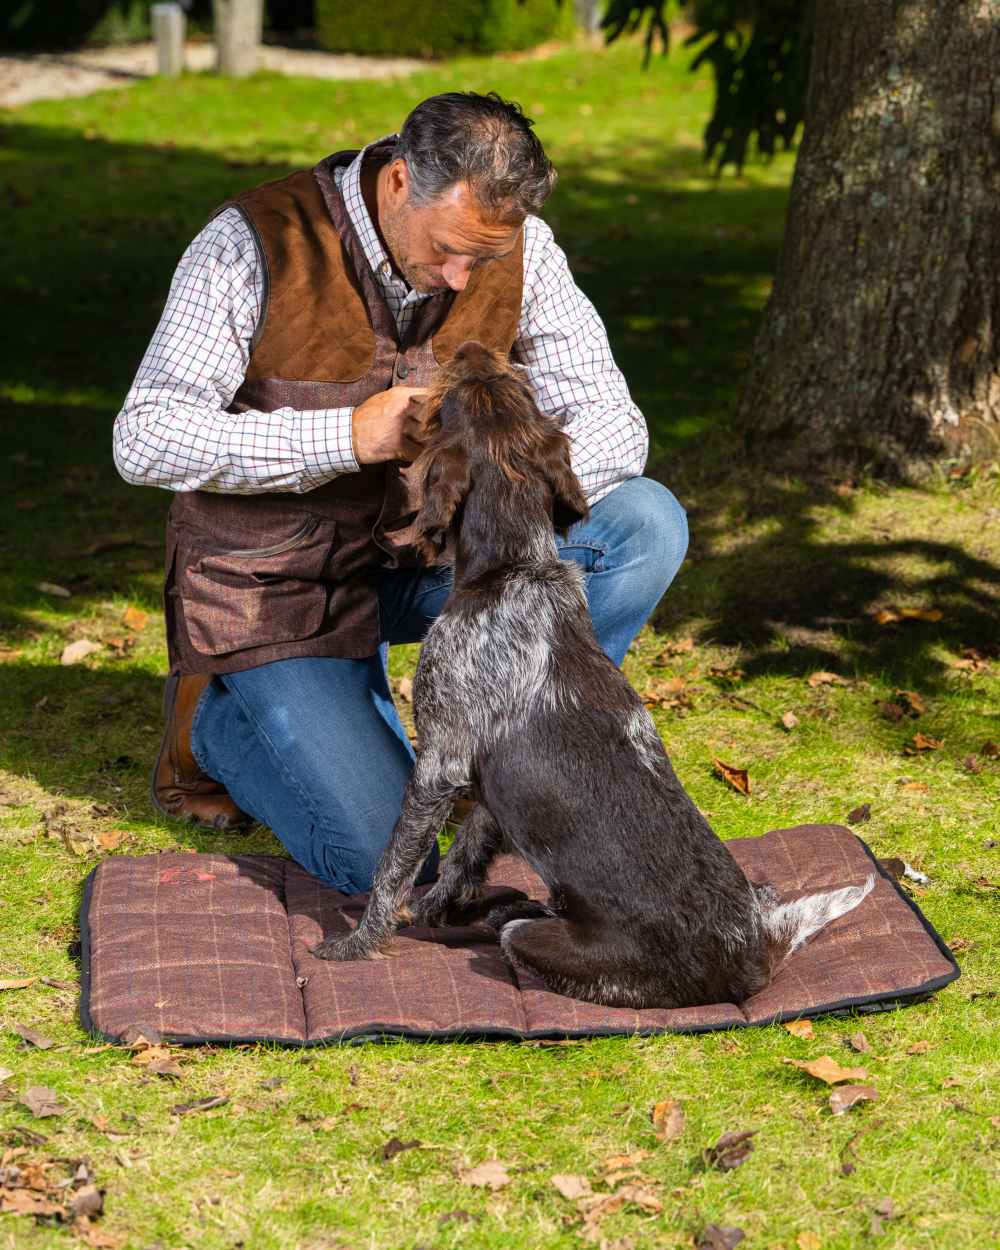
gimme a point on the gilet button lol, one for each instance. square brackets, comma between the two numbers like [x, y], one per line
[402, 370]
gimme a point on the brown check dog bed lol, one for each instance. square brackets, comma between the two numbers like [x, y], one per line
[215, 948]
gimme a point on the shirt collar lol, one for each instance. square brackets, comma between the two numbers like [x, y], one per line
[378, 259]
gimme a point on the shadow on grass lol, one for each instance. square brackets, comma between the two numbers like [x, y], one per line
[678, 269]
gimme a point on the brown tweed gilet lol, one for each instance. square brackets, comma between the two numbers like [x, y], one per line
[255, 578]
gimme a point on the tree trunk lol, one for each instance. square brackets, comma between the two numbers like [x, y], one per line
[878, 348]
[238, 26]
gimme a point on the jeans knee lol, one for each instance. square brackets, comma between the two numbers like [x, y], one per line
[657, 530]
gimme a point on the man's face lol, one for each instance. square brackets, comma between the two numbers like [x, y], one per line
[438, 246]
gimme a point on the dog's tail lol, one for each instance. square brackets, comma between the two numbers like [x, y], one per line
[788, 925]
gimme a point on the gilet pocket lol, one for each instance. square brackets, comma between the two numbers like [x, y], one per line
[240, 598]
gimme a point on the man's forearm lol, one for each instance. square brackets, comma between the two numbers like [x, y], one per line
[160, 440]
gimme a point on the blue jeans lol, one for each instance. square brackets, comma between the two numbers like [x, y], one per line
[314, 748]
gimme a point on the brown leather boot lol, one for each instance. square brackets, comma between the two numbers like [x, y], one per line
[178, 787]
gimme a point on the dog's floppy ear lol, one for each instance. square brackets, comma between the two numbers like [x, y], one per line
[569, 503]
[446, 482]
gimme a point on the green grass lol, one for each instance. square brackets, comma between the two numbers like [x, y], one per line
[100, 195]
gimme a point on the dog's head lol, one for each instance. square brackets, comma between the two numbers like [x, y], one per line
[487, 419]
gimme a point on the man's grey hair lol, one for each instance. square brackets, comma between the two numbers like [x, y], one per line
[481, 140]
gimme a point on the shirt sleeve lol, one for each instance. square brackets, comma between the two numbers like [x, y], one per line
[174, 430]
[563, 344]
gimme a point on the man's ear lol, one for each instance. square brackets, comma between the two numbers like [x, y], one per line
[445, 484]
[569, 503]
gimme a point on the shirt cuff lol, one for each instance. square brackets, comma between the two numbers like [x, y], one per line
[326, 444]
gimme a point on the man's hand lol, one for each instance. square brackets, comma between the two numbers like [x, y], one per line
[390, 425]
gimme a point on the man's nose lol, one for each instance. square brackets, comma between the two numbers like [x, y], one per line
[457, 271]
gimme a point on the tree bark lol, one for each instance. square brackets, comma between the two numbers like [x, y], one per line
[238, 26]
[878, 348]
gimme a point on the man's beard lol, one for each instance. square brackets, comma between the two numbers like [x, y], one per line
[420, 277]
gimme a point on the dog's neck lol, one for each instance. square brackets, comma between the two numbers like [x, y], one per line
[503, 523]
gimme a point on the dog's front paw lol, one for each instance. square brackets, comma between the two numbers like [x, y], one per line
[429, 912]
[343, 949]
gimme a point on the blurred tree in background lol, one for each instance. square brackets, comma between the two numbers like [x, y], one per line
[878, 349]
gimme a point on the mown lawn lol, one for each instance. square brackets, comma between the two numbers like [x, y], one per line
[785, 579]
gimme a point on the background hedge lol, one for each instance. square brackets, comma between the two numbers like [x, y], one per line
[27, 25]
[396, 27]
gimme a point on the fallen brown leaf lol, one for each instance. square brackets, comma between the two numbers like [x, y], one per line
[683, 646]
[730, 1150]
[668, 1119]
[738, 778]
[844, 1097]
[912, 703]
[890, 711]
[21, 984]
[42, 1101]
[135, 618]
[111, 839]
[860, 815]
[860, 1043]
[74, 652]
[790, 722]
[922, 742]
[800, 1028]
[991, 750]
[614, 1163]
[889, 616]
[959, 944]
[822, 678]
[200, 1104]
[719, 1237]
[489, 1175]
[826, 1069]
[808, 1241]
[394, 1147]
[919, 1048]
[972, 764]
[571, 1186]
[32, 1036]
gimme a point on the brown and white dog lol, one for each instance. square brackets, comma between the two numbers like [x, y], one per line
[517, 706]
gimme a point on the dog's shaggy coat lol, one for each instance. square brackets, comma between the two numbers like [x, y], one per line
[517, 706]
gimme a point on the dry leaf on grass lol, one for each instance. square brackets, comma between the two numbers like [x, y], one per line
[892, 615]
[808, 1241]
[800, 1028]
[489, 1175]
[860, 815]
[911, 702]
[972, 764]
[668, 692]
[111, 839]
[860, 1043]
[719, 1237]
[668, 1119]
[571, 1186]
[730, 1150]
[74, 652]
[394, 1147]
[615, 1163]
[42, 1101]
[922, 742]
[844, 1097]
[826, 1069]
[890, 711]
[822, 678]
[200, 1104]
[32, 1036]
[990, 750]
[790, 722]
[135, 618]
[51, 588]
[738, 778]
[21, 984]
[919, 1048]
[683, 646]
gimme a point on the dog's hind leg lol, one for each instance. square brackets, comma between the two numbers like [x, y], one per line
[463, 871]
[426, 804]
[548, 948]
